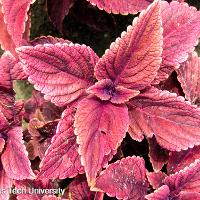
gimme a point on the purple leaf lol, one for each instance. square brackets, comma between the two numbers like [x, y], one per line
[106, 90]
[62, 159]
[14, 157]
[15, 16]
[133, 60]
[189, 77]
[180, 34]
[124, 179]
[186, 180]
[100, 128]
[61, 71]
[161, 193]
[121, 6]
[57, 11]
[173, 121]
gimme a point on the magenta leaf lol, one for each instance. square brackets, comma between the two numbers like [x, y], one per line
[78, 190]
[173, 121]
[189, 77]
[15, 16]
[186, 180]
[61, 71]
[57, 11]
[124, 179]
[161, 193]
[5, 39]
[180, 160]
[189, 195]
[51, 197]
[156, 179]
[5, 184]
[62, 159]
[133, 60]
[106, 90]
[121, 6]
[180, 34]
[157, 155]
[100, 128]
[14, 157]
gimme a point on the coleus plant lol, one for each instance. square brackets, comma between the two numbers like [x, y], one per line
[106, 98]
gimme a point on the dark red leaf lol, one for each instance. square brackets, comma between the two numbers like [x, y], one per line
[14, 157]
[173, 121]
[79, 190]
[161, 193]
[189, 77]
[121, 6]
[61, 71]
[133, 60]
[124, 179]
[100, 128]
[158, 156]
[57, 11]
[62, 159]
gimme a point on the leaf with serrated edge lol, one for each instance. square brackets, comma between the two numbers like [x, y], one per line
[161, 193]
[100, 128]
[186, 180]
[62, 159]
[61, 71]
[189, 77]
[181, 30]
[121, 6]
[180, 160]
[15, 157]
[133, 60]
[156, 178]
[15, 16]
[173, 121]
[124, 179]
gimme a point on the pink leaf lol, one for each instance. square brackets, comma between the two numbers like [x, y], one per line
[124, 179]
[100, 127]
[15, 157]
[173, 121]
[47, 40]
[189, 195]
[180, 160]
[189, 77]
[161, 193]
[51, 197]
[156, 179]
[15, 16]
[62, 159]
[106, 90]
[133, 60]
[186, 180]
[61, 71]
[5, 185]
[79, 190]
[63, 7]
[180, 34]
[121, 6]
[158, 156]
[5, 39]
